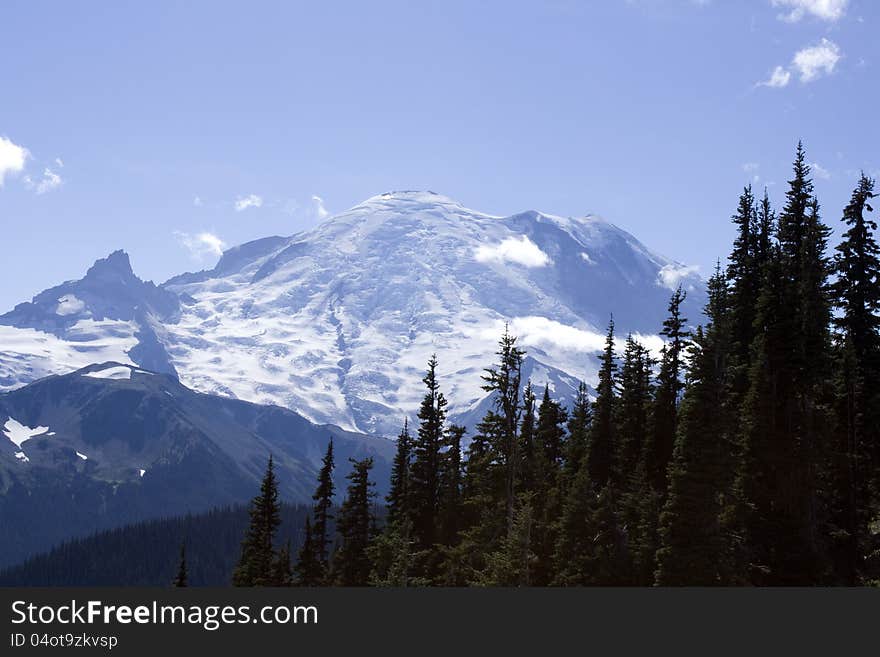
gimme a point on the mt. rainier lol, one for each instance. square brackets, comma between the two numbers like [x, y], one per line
[338, 322]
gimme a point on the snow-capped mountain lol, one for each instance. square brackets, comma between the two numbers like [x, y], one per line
[338, 322]
[110, 314]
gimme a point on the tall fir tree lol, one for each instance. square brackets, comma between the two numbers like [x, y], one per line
[255, 566]
[398, 492]
[424, 484]
[351, 564]
[503, 383]
[634, 406]
[578, 424]
[323, 509]
[692, 543]
[546, 500]
[601, 449]
[669, 388]
[451, 486]
[778, 507]
[528, 446]
[856, 449]
[637, 503]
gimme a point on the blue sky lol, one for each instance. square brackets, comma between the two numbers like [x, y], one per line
[172, 128]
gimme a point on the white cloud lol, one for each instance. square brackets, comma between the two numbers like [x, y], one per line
[12, 158]
[819, 171]
[249, 201]
[520, 251]
[543, 333]
[780, 77]
[671, 276]
[826, 10]
[318, 207]
[809, 63]
[50, 180]
[818, 60]
[201, 244]
[198, 202]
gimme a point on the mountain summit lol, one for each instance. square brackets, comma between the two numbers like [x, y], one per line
[338, 322]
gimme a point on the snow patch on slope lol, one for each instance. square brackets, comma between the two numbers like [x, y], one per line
[27, 354]
[118, 373]
[19, 433]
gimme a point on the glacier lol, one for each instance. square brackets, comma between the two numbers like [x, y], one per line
[338, 322]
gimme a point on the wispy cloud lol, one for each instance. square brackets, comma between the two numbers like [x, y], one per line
[816, 61]
[780, 77]
[826, 10]
[520, 251]
[810, 63]
[198, 202]
[249, 201]
[313, 210]
[50, 179]
[318, 207]
[12, 158]
[671, 276]
[200, 245]
[819, 171]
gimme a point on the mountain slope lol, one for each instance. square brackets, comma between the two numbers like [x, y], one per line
[109, 314]
[111, 444]
[338, 322]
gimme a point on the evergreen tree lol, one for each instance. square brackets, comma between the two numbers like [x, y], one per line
[638, 503]
[180, 580]
[398, 493]
[634, 407]
[483, 520]
[351, 565]
[529, 449]
[503, 382]
[322, 510]
[255, 567]
[451, 486]
[592, 547]
[282, 572]
[512, 563]
[692, 549]
[546, 500]
[424, 484]
[669, 387]
[579, 422]
[778, 507]
[855, 455]
[601, 448]
[309, 570]
[391, 554]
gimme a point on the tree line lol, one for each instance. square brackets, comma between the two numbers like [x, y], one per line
[745, 453]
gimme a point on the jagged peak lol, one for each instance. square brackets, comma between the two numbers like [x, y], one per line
[117, 263]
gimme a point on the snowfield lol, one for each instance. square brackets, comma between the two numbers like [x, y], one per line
[338, 322]
[19, 434]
